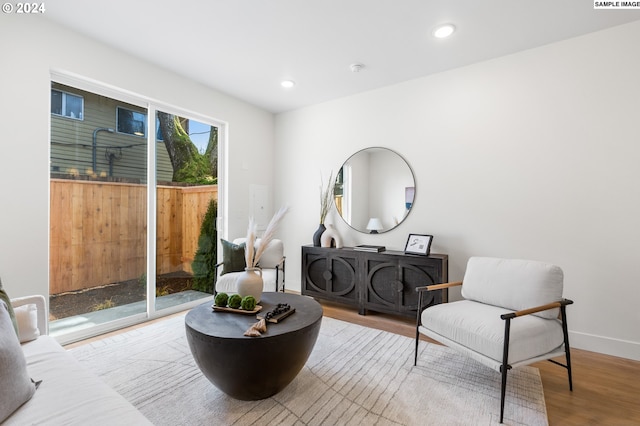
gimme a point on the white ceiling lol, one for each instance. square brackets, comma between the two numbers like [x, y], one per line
[246, 47]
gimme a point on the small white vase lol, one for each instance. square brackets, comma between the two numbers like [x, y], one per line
[331, 233]
[250, 283]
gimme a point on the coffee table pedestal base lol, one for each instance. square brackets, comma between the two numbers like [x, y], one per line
[253, 368]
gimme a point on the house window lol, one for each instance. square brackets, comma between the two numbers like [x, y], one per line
[67, 105]
[134, 123]
[131, 122]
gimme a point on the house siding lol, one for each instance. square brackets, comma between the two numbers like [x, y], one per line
[72, 141]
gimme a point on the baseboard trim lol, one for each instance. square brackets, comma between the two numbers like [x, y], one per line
[605, 345]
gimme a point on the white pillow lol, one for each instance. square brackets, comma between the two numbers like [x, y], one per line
[27, 317]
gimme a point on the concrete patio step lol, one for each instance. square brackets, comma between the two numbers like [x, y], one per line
[91, 319]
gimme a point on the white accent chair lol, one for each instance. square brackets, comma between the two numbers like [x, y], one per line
[272, 263]
[495, 292]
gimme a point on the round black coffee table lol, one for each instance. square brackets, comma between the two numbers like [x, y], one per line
[252, 368]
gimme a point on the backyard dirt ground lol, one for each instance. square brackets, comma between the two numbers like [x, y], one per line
[118, 294]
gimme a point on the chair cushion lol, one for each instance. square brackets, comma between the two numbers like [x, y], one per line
[16, 387]
[70, 394]
[232, 257]
[272, 256]
[513, 284]
[479, 327]
[228, 282]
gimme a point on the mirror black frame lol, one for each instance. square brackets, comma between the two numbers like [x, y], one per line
[409, 191]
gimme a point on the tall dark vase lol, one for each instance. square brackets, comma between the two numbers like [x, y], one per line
[318, 234]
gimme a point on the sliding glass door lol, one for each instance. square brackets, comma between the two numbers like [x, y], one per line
[104, 152]
[187, 195]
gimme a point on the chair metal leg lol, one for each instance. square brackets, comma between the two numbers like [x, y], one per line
[505, 366]
[567, 351]
[567, 348]
[283, 273]
[415, 358]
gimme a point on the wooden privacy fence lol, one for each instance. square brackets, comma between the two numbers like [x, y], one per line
[98, 231]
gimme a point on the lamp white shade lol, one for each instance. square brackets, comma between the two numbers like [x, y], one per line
[374, 225]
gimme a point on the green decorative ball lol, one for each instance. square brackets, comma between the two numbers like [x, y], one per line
[248, 303]
[234, 301]
[221, 299]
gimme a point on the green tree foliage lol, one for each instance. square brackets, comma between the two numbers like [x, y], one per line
[212, 151]
[188, 164]
[204, 261]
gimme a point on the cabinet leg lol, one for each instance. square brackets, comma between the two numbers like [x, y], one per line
[362, 311]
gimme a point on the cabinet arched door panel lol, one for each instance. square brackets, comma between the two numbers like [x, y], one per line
[329, 276]
[383, 282]
[390, 284]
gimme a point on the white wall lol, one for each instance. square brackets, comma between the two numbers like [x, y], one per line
[30, 47]
[358, 195]
[389, 176]
[534, 155]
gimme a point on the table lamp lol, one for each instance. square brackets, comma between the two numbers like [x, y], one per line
[374, 225]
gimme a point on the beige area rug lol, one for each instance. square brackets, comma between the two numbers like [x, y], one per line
[355, 376]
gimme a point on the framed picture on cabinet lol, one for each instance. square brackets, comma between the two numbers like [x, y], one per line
[418, 244]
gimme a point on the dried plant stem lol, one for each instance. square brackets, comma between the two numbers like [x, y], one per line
[250, 244]
[326, 198]
[252, 255]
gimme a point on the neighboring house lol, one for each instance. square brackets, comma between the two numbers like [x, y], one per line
[93, 136]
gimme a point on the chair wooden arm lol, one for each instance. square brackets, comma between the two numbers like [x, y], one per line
[217, 267]
[553, 305]
[433, 287]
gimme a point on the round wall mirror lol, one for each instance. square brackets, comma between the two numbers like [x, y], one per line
[374, 190]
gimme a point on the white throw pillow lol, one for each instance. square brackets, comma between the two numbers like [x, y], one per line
[27, 317]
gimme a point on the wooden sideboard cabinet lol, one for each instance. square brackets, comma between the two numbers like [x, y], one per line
[381, 282]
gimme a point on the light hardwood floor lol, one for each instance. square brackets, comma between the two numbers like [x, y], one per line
[606, 389]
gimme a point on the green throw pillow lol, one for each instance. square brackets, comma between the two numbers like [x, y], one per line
[232, 257]
[4, 296]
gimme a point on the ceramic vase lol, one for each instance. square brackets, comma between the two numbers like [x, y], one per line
[318, 234]
[250, 283]
[329, 236]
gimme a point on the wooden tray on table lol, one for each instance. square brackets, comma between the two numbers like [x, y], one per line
[257, 309]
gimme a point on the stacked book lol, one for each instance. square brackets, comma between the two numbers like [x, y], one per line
[369, 248]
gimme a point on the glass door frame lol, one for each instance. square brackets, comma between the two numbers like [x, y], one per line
[152, 107]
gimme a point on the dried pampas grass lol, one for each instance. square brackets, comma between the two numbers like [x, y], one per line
[250, 244]
[252, 255]
[326, 197]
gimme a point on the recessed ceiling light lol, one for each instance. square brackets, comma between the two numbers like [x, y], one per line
[288, 84]
[444, 31]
